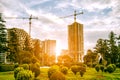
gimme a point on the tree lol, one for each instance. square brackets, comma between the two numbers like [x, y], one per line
[113, 48]
[20, 49]
[108, 48]
[3, 38]
[90, 58]
[37, 49]
[13, 46]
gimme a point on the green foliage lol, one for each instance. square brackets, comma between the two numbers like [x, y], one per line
[57, 76]
[26, 60]
[110, 68]
[25, 66]
[74, 69]
[97, 68]
[25, 75]
[105, 69]
[35, 69]
[82, 70]
[90, 58]
[109, 48]
[118, 65]
[64, 70]
[34, 60]
[4, 68]
[102, 68]
[3, 39]
[114, 66]
[51, 71]
[17, 70]
[16, 65]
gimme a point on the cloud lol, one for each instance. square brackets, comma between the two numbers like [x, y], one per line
[99, 18]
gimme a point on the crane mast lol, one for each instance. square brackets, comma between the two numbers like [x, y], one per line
[29, 18]
[75, 14]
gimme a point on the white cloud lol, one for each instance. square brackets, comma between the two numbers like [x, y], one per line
[51, 26]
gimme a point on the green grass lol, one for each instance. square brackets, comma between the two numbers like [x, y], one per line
[7, 75]
[91, 74]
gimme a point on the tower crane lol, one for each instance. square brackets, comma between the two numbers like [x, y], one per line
[29, 18]
[75, 14]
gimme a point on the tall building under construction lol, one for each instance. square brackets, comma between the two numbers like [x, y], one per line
[76, 41]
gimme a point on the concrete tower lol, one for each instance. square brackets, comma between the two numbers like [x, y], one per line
[76, 41]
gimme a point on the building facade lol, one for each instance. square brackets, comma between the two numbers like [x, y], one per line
[22, 37]
[49, 47]
[76, 41]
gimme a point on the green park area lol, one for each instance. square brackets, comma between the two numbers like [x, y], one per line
[90, 74]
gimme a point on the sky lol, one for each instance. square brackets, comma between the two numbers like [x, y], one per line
[99, 19]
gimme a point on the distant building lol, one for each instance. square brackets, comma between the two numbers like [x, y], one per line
[76, 41]
[49, 47]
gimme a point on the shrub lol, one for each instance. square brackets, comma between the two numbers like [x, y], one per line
[74, 69]
[51, 71]
[118, 65]
[110, 68]
[25, 66]
[17, 70]
[4, 68]
[25, 75]
[105, 69]
[55, 67]
[114, 66]
[37, 64]
[64, 70]
[57, 76]
[102, 68]
[16, 66]
[34, 60]
[82, 70]
[97, 68]
[26, 61]
[35, 70]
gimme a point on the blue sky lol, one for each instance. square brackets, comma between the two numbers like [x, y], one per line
[99, 18]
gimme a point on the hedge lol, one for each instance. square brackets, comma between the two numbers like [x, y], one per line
[5, 67]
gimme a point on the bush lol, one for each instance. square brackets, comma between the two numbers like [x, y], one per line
[97, 68]
[64, 70]
[16, 66]
[34, 60]
[82, 70]
[118, 65]
[26, 61]
[102, 68]
[25, 75]
[37, 64]
[114, 66]
[74, 69]
[105, 69]
[17, 70]
[35, 69]
[110, 68]
[57, 76]
[25, 66]
[51, 71]
[4, 68]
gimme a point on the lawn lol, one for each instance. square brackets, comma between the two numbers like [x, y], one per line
[7, 75]
[91, 74]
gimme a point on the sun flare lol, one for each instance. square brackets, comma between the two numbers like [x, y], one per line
[58, 49]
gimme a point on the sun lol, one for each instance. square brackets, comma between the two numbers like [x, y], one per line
[58, 49]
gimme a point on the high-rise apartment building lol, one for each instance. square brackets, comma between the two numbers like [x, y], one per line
[49, 47]
[21, 35]
[76, 41]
